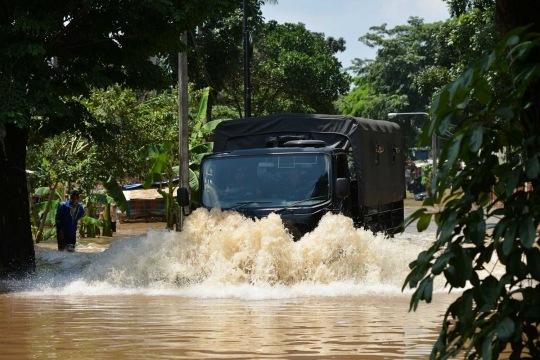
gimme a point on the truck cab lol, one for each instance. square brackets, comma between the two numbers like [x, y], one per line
[304, 166]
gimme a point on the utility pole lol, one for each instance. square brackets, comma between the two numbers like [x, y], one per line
[183, 125]
[247, 46]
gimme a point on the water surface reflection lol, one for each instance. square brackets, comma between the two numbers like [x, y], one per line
[144, 327]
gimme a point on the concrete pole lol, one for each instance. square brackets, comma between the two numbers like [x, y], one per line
[183, 139]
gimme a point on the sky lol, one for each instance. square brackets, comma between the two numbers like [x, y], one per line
[351, 19]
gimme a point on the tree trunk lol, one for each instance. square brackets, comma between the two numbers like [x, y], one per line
[107, 231]
[508, 15]
[91, 230]
[511, 13]
[17, 257]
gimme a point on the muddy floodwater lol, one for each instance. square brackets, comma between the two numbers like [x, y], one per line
[226, 287]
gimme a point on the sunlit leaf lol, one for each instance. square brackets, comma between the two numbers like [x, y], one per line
[49, 234]
[42, 191]
[91, 221]
[193, 180]
[423, 222]
[211, 125]
[203, 105]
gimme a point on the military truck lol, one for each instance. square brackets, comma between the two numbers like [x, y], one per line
[303, 166]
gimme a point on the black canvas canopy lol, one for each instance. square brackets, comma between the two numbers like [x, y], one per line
[376, 145]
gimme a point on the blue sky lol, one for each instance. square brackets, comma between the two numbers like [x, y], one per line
[351, 19]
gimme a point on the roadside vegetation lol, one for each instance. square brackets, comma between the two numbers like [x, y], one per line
[88, 109]
[477, 75]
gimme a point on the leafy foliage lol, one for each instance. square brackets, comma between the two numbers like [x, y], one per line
[427, 176]
[414, 62]
[293, 70]
[52, 53]
[459, 7]
[494, 152]
[161, 163]
[54, 50]
[216, 51]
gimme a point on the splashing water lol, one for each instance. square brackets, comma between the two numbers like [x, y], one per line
[223, 254]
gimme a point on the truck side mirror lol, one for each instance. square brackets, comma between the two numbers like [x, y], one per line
[342, 188]
[182, 197]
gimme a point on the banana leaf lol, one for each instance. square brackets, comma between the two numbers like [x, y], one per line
[51, 215]
[201, 113]
[194, 187]
[205, 148]
[211, 125]
[104, 198]
[193, 180]
[91, 221]
[49, 234]
[115, 191]
[42, 191]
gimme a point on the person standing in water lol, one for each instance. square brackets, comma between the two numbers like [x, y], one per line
[67, 217]
[114, 217]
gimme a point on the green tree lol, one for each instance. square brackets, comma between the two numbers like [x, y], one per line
[293, 70]
[216, 50]
[495, 312]
[55, 161]
[355, 103]
[53, 50]
[459, 7]
[413, 63]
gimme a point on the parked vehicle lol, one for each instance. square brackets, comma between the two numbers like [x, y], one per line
[420, 196]
[304, 166]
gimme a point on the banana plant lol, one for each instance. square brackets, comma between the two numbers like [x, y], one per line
[90, 225]
[198, 146]
[44, 212]
[161, 158]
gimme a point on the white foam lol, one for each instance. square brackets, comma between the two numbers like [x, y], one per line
[222, 254]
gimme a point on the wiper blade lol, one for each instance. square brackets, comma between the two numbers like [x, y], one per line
[299, 202]
[242, 203]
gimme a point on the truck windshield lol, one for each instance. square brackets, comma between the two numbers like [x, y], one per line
[265, 181]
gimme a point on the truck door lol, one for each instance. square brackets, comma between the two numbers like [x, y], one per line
[342, 171]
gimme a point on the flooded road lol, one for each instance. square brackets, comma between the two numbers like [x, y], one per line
[170, 327]
[226, 287]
